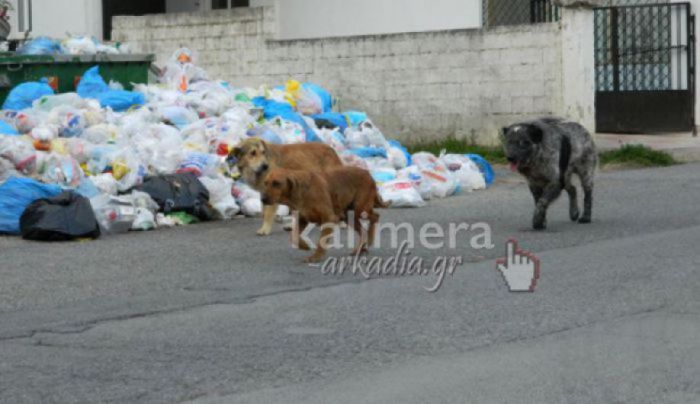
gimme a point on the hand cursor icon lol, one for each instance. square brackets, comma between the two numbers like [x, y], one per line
[519, 268]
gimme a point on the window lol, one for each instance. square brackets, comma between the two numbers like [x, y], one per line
[110, 8]
[225, 4]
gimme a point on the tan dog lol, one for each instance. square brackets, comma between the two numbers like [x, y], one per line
[255, 158]
[307, 193]
[353, 188]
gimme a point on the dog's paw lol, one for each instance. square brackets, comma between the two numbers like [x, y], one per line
[584, 220]
[539, 224]
[313, 259]
[539, 221]
[574, 214]
[263, 231]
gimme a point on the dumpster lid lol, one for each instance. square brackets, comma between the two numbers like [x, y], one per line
[14, 58]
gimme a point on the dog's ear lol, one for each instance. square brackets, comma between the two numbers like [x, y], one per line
[504, 130]
[234, 155]
[291, 185]
[535, 134]
[265, 149]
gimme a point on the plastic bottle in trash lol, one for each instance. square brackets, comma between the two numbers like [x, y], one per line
[114, 214]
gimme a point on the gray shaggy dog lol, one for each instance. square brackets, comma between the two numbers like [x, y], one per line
[548, 152]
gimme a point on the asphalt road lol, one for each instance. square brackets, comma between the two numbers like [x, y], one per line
[211, 313]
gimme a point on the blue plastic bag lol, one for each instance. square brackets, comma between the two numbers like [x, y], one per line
[121, 100]
[381, 177]
[92, 85]
[41, 46]
[15, 195]
[325, 96]
[22, 96]
[355, 118]
[273, 109]
[395, 144]
[484, 166]
[367, 152]
[87, 189]
[7, 129]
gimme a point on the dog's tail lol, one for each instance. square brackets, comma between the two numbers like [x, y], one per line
[379, 202]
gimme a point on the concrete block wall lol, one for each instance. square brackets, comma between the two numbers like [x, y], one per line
[466, 83]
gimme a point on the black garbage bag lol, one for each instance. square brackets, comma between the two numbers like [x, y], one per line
[67, 216]
[179, 193]
[324, 124]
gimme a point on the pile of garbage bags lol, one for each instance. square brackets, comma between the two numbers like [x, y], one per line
[156, 156]
[72, 45]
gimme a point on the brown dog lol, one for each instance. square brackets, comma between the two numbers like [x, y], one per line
[324, 199]
[307, 193]
[353, 188]
[255, 158]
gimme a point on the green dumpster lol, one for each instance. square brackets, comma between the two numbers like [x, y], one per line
[64, 71]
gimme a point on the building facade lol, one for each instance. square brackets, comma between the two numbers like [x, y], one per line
[428, 68]
[298, 18]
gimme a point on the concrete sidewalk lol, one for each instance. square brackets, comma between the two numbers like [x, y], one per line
[683, 146]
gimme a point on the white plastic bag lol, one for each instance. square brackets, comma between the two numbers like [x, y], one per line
[442, 183]
[44, 133]
[62, 170]
[424, 159]
[308, 102]
[181, 70]
[220, 196]
[397, 158]
[7, 170]
[69, 120]
[146, 209]
[105, 183]
[333, 138]
[248, 199]
[114, 214]
[465, 170]
[353, 160]
[289, 132]
[470, 178]
[80, 45]
[28, 119]
[145, 220]
[400, 194]
[79, 149]
[49, 102]
[366, 134]
[414, 175]
[282, 212]
[101, 133]
[20, 152]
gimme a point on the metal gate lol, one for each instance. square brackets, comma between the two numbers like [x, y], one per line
[645, 68]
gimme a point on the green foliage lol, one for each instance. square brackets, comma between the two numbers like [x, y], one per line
[638, 156]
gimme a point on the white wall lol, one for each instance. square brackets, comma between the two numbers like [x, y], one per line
[56, 17]
[466, 83]
[261, 3]
[578, 66]
[331, 18]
